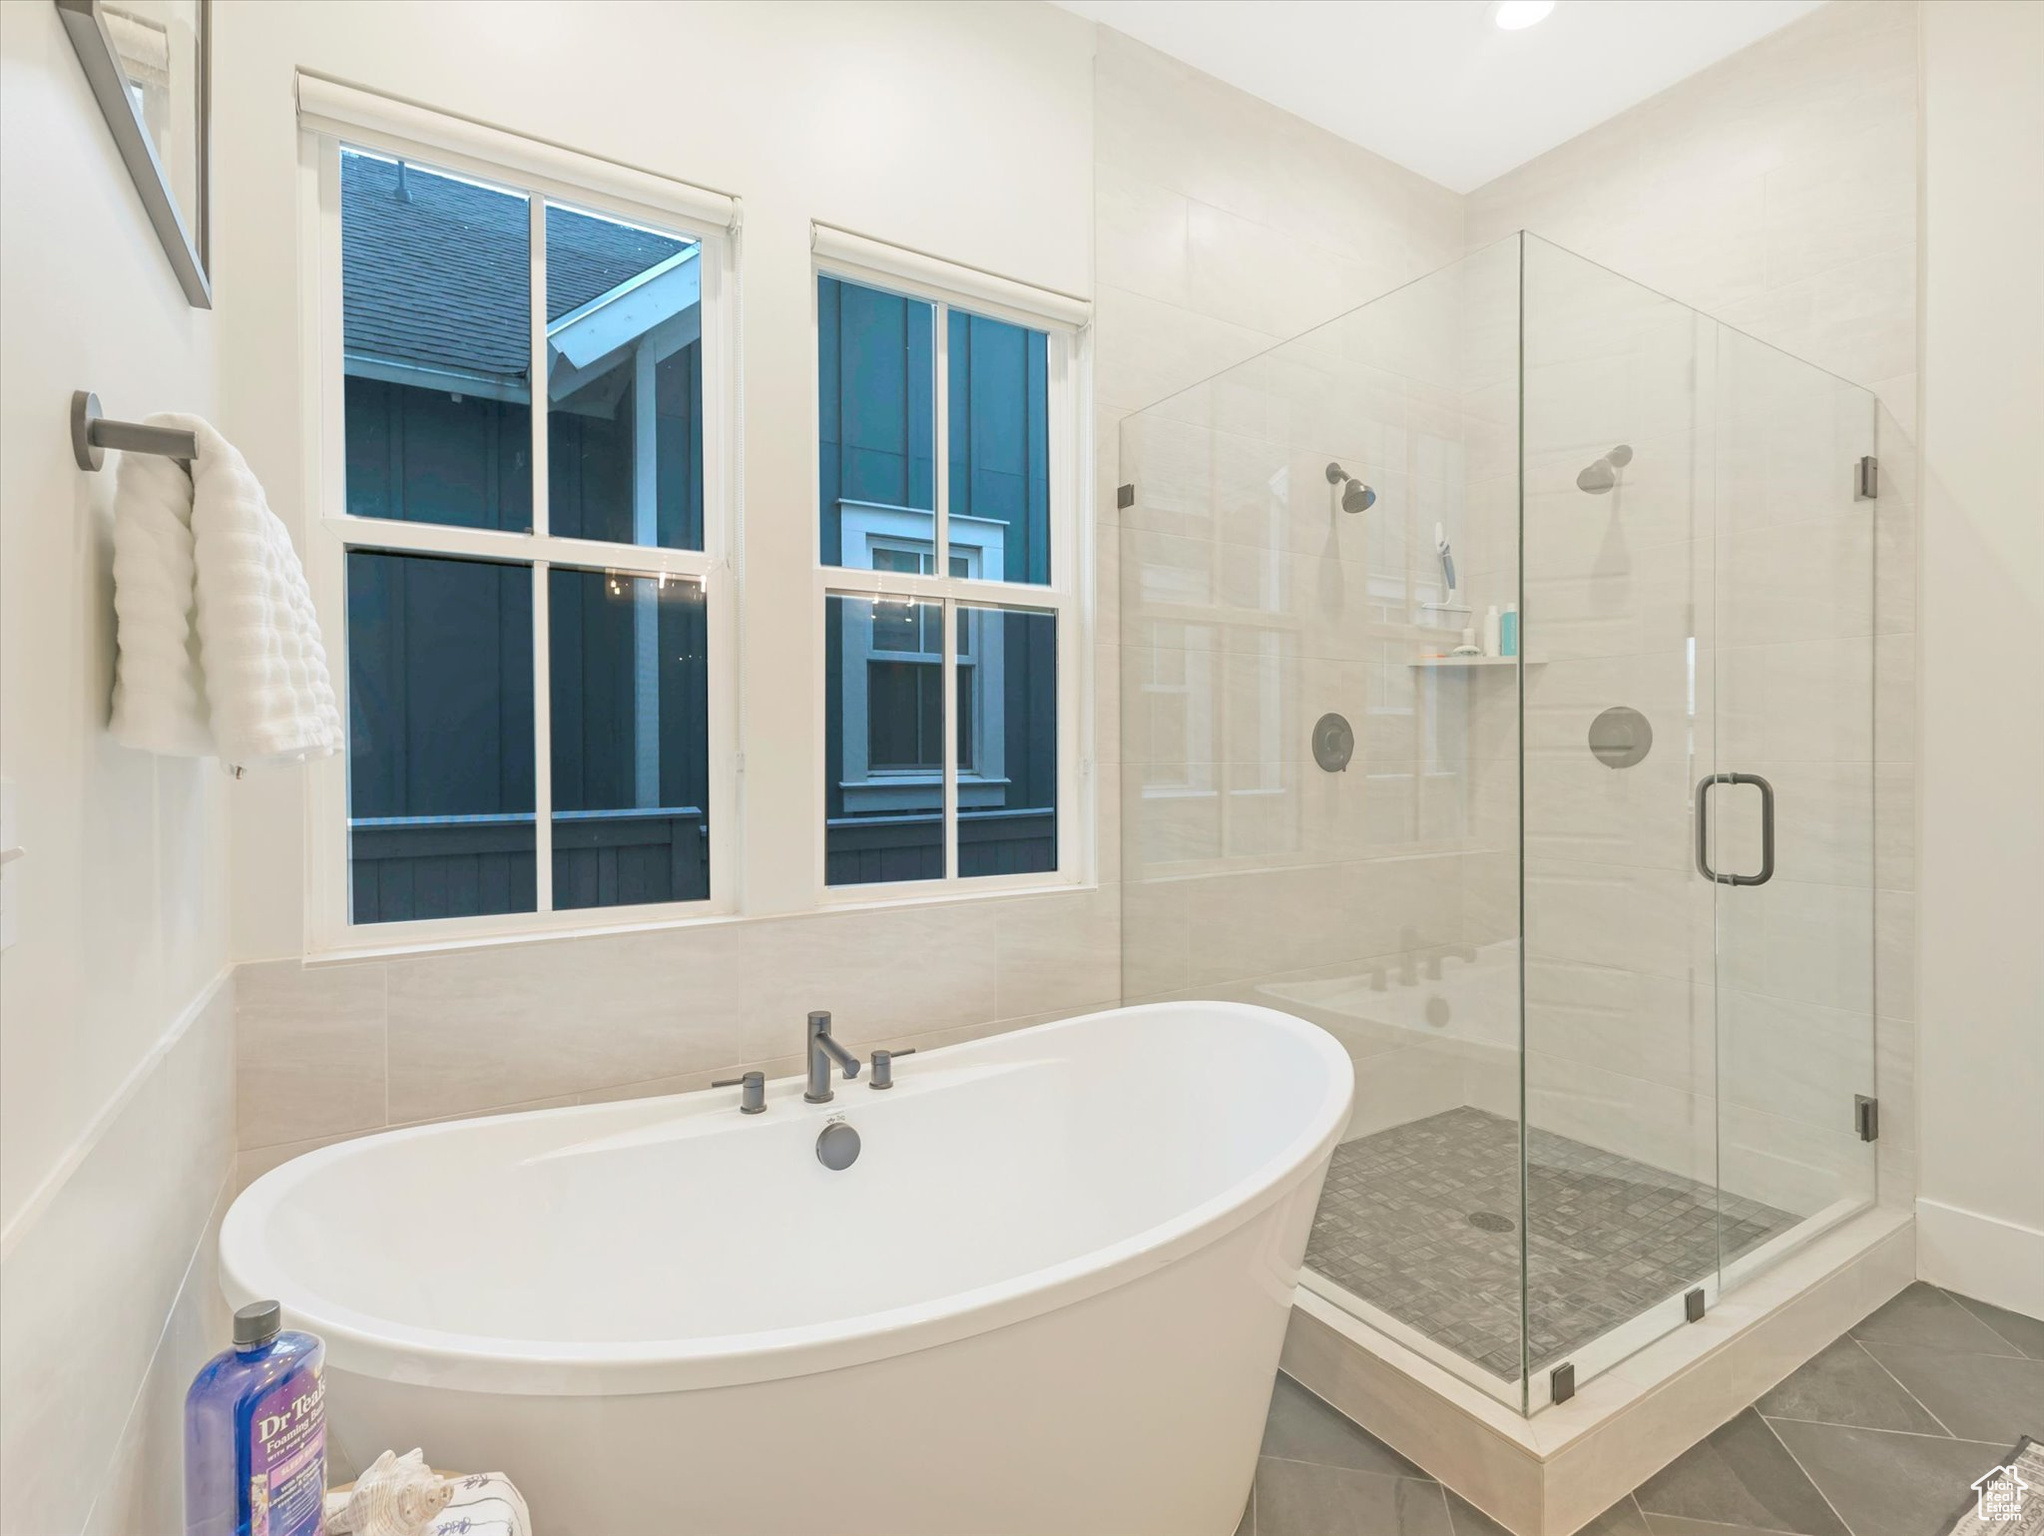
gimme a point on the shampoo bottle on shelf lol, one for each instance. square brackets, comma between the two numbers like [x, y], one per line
[1508, 631]
[255, 1433]
[1491, 626]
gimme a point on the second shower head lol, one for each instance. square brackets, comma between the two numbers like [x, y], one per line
[1354, 495]
[1601, 476]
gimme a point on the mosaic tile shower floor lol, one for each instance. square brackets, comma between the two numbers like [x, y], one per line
[1421, 1220]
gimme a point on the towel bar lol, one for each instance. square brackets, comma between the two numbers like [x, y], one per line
[92, 434]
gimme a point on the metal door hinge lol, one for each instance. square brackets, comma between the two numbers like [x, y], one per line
[1866, 485]
[1692, 1305]
[1866, 1114]
[1125, 496]
[1561, 1382]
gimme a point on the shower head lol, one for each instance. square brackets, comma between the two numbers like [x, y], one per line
[1355, 496]
[1601, 476]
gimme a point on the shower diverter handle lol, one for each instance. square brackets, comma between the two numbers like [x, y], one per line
[1766, 789]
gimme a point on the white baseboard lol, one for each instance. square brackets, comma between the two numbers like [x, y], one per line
[1991, 1260]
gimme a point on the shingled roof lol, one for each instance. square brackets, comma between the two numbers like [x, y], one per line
[434, 270]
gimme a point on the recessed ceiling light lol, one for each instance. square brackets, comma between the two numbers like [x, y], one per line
[1518, 15]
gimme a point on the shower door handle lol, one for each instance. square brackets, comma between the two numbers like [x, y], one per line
[1766, 789]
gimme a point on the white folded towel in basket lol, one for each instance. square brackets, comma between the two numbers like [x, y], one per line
[219, 648]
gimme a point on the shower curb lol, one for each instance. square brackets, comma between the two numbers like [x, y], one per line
[1552, 1473]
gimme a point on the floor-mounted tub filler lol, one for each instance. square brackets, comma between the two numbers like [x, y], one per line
[1048, 1293]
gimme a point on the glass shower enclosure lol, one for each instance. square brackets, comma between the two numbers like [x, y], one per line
[1585, 890]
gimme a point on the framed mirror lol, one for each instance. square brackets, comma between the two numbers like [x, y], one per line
[148, 63]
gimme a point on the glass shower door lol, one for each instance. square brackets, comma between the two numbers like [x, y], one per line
[1619, 529]
[1697, 811]
[1785, 827]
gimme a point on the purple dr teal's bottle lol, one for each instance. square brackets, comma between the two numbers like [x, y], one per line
[255, 1433]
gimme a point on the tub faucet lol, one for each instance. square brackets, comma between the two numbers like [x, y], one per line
[822, 1052]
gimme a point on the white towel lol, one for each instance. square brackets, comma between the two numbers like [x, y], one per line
[219, 650]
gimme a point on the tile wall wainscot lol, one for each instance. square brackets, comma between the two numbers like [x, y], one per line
[1776, 192]
[336, 1050]
[108, 1301]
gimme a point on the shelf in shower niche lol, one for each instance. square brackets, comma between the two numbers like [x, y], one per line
[1472, 661]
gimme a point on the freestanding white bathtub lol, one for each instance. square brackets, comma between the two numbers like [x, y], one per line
[1047, 1298]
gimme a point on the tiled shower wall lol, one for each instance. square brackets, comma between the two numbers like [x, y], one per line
[1253, 606]
[1249, 606]
[1777, 192]
[1725, 588]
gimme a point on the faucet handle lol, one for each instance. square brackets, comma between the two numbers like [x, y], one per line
[883, 1067]
[751, 1088]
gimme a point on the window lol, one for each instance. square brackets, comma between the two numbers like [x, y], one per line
[530, 594]
[949, 538]
[536, 628]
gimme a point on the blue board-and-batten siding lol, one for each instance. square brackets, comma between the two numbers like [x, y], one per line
[876, 374]
[440, 658]
[440, 652]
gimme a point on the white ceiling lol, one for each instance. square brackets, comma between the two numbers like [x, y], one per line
[1433, 84]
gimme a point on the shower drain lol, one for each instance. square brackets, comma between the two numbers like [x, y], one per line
[1490, 1221]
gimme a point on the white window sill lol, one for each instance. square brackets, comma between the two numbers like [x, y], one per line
[853, 899]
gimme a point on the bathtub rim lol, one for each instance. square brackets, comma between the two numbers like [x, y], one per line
[369, 1345]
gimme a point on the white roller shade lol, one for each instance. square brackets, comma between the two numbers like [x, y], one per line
[987, 291]
[384, 122]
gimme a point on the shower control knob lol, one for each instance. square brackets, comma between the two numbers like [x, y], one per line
[1334, 743]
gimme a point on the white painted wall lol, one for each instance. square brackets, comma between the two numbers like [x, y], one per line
[1981, 1114]
[115, 1084]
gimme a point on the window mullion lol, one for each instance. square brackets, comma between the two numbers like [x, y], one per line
[948, 684]
[940, 447]
[536, 367]
[542, 628]
[940, 569]
[542, 741]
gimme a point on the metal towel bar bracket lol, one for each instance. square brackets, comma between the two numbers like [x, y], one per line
[92, 434]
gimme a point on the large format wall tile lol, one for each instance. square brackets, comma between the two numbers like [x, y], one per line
[333, 1050]
[309, 1050]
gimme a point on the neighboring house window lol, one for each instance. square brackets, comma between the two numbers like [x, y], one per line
[949, 542]
[536, 647]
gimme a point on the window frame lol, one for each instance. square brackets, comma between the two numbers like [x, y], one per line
[332, 532]
[879, 527]
[1068, 596]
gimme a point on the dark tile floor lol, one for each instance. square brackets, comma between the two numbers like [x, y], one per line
[1422, 1220]
[1879, 1435]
